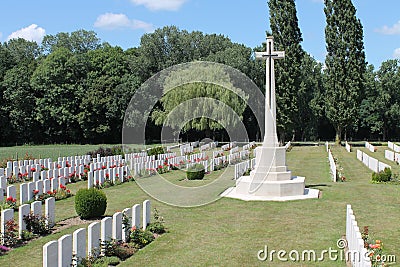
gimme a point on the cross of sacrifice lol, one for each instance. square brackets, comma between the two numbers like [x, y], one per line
[270, 55]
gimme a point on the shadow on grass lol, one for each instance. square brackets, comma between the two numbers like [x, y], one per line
[317, 185]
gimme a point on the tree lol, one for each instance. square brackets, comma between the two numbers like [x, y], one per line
[345, 65]
[309, 102]
[287, 37]
[202, 114]
[100, 109]
[80, 41]
[380, 110]
[58, 83]
[6, 63]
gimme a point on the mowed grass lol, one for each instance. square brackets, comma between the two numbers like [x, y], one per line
[230, 232]
[46, 151]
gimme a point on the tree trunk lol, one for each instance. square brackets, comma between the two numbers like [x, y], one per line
[338, 139]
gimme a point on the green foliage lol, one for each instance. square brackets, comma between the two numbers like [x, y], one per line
[198, 100]
[141, 238]
[10, 236]
[36, 224]
[287, 37]
[155, 151]
[195, 172]
[106, 151]
[106, 261]
[90, 203]
[157, 226]
[345, 65]
[382, 176]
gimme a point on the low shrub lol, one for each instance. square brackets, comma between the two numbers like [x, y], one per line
[382, 176]
[141, 238]
[36, 224]
[195, 172]
[155, 151]
[90, 203]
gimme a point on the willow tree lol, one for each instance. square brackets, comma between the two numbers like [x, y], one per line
[201, 97]
[345, 64]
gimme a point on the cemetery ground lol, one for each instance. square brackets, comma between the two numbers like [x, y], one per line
[230, 232]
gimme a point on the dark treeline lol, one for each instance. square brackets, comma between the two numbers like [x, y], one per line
[73, 88]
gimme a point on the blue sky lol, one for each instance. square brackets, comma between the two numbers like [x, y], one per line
[123, 22]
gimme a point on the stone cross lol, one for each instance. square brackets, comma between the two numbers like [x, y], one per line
[270, 55]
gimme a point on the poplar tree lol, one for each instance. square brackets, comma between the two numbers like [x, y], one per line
[345, 65]
[287, 36]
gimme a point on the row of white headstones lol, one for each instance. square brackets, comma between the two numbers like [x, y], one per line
[115, 168]
[394, 153]
[371, 162]
[24, 210]
[87, 242]
[357, 254]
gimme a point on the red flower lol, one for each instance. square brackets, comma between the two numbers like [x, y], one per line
[85, 170]
[117, 174]
[58, 166]
[11, 199]
[62, 187]
[35, 192]
[68, 191]
[107, 175]
[33, 169]
[103, 167]
[49, 192]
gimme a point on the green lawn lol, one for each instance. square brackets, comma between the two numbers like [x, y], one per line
[230, 232]
[46, 151]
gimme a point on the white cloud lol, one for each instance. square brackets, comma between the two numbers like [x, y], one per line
[396, 53]
[395, 29]
[114, 21]
[31, 33]
[160, 4]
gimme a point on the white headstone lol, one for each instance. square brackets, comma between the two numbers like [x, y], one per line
[117, 226]
[106, 229]
[23, 211]
[136, 216]
[46, 186]
[3, 182]
[31, 188]
[43, 175]
[93, 238]
[35, 176]
[23, 193]
[61, 181]
[373, 164]
[90, 180]
[36, 208]
[39, 187]
[6, 215]
[11, 191]
[79, 244]
[50, 206]
[50, 254]
[65, 251]
[125, 231]
[54, 184]
[146, 213]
